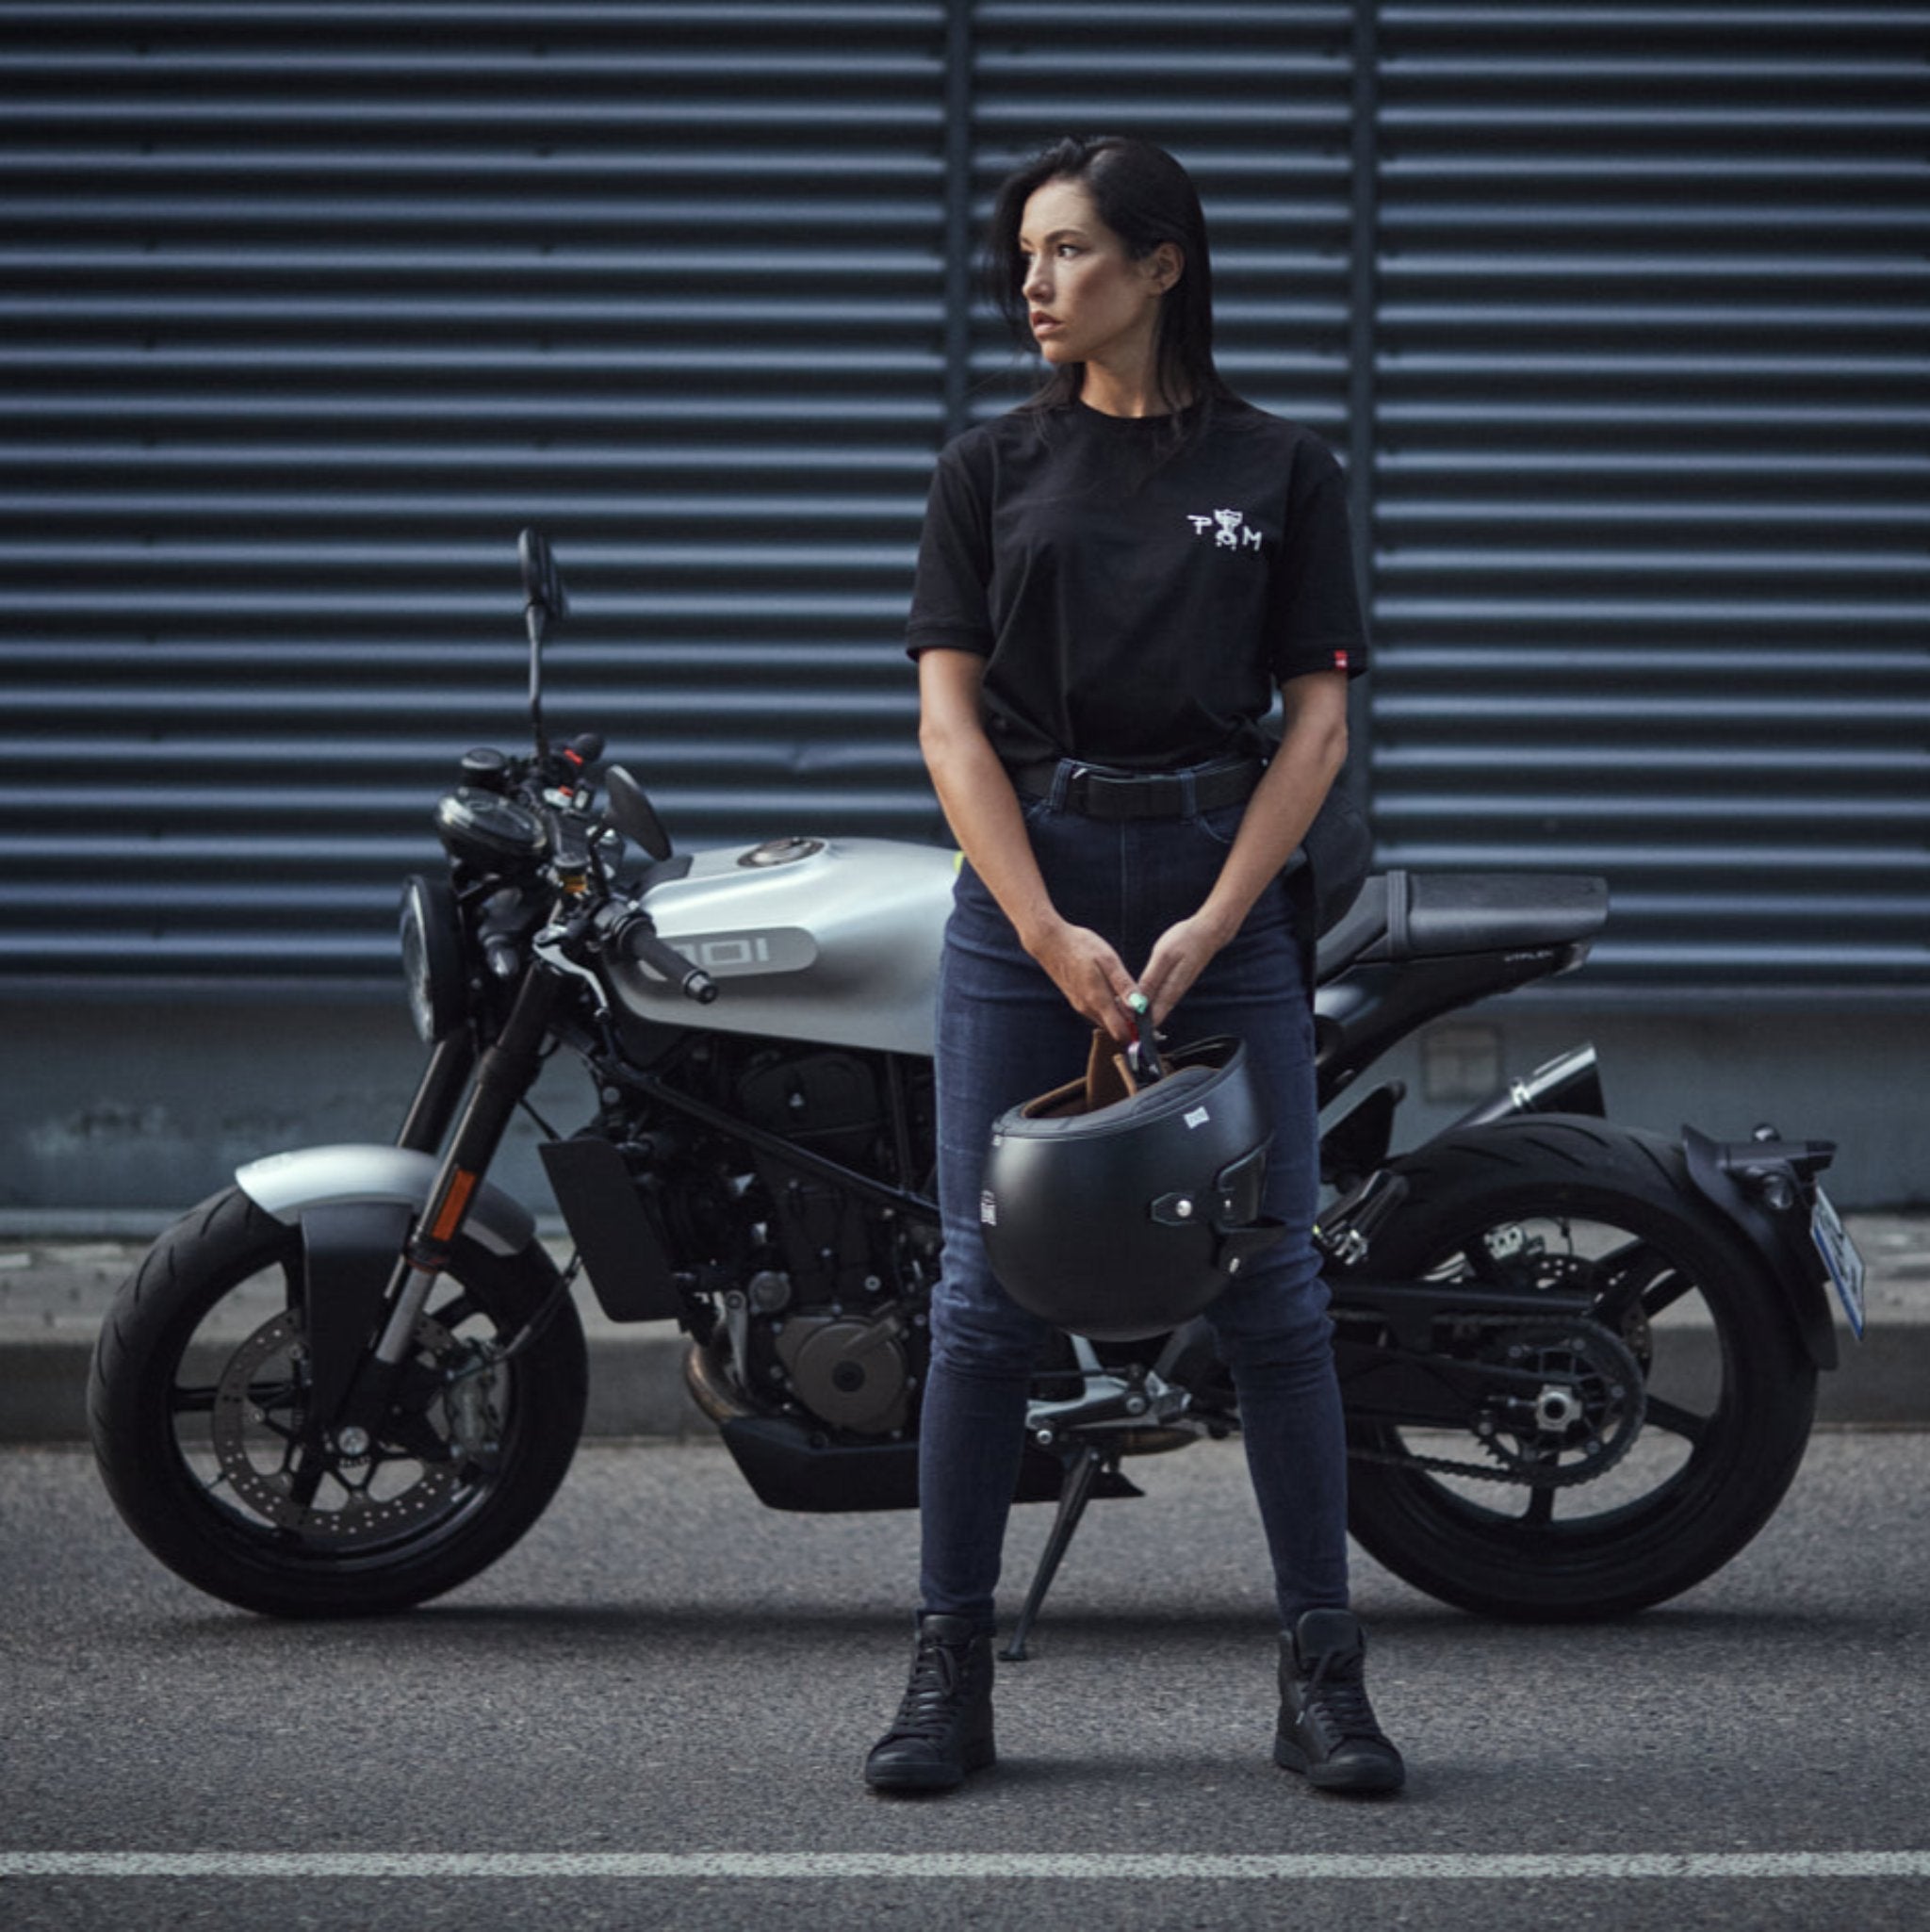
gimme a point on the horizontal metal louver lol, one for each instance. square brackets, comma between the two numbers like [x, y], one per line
[1653, 478]
[310, 307]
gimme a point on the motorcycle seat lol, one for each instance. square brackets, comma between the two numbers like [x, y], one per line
[1405, 915]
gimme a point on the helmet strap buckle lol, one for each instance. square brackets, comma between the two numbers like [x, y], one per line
[1238, 1246]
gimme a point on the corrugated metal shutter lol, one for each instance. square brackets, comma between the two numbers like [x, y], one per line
[1654, 390]
[310, 306]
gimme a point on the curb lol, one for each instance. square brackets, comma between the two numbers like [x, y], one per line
[636, 1384]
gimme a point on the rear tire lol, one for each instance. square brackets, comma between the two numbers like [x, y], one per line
[195, 1401]
[1575, 1203]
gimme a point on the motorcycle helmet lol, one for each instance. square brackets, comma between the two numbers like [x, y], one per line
[1122, 1218]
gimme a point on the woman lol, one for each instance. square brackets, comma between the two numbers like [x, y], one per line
[1112, 581]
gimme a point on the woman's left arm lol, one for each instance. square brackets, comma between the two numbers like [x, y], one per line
[1311, 750]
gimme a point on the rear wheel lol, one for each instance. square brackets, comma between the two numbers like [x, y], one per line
[1576, 1206]
[197, 1407]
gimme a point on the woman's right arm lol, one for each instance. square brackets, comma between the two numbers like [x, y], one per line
[982, 809]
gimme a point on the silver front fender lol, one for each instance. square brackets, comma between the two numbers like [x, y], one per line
[285, 1185]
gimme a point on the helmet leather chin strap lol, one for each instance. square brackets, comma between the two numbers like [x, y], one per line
[1109, 1076]
[1113, 1075]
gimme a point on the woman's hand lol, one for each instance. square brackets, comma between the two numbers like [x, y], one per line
[1179, 956]
[1311, 748]
[983, 812]
[1091, 975]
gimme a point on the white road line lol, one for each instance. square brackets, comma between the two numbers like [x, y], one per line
[1076, 1866]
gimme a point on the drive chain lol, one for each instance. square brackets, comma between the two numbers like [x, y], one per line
[1615, 1444]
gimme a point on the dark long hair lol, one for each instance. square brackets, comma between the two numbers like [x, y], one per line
[1146, 198]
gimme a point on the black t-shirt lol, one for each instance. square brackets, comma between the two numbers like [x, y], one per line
[1136, 607]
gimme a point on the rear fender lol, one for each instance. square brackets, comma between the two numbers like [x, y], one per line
[1766, 1189]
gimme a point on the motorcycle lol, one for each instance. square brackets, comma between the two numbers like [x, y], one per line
[1578, 1361]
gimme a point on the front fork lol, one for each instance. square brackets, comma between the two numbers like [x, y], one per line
[438, 1092]
[506, 1070]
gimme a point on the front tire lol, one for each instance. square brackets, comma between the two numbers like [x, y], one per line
[1576, 1205]
[195, 1407]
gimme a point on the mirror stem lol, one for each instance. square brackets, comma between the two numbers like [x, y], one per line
[534, 613]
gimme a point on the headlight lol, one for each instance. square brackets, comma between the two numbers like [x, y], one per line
[432, 959]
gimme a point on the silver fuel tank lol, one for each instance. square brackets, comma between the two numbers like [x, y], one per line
[830, 939]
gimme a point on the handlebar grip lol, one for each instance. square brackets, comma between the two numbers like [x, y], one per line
[643, 946]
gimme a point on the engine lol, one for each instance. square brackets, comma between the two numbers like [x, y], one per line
[819, 1293]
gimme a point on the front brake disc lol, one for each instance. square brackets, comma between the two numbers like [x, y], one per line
[257, 1430]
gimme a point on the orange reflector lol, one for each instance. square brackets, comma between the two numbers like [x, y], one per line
[450, 1219]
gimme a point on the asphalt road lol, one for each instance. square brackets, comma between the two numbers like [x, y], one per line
[653, 1714]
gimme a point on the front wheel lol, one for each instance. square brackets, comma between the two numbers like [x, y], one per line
[1560, 1203]
[196, 1405]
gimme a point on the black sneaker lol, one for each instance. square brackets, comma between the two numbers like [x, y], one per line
[1327, 1729]
[942, 1731]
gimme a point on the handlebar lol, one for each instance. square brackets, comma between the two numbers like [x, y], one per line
[635, 941]
[566, 854]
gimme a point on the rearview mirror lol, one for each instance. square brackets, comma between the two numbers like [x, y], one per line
[545, 602]
[632, 815]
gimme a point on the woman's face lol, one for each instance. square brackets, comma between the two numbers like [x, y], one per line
[1087, 300]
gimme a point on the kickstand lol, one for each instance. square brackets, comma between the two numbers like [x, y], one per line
[1082, 1470]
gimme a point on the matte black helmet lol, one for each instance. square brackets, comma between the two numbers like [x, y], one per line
[1123, 1218]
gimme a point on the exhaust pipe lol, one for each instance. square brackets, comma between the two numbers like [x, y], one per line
[1571, 1083]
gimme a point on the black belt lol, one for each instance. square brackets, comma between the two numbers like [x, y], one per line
[1098, 793]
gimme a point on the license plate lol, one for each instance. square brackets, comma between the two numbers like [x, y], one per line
[1840, 1257]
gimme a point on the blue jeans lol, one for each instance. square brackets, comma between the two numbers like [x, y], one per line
[1004, 1034]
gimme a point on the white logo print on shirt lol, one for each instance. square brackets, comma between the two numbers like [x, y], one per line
[1229, 529]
